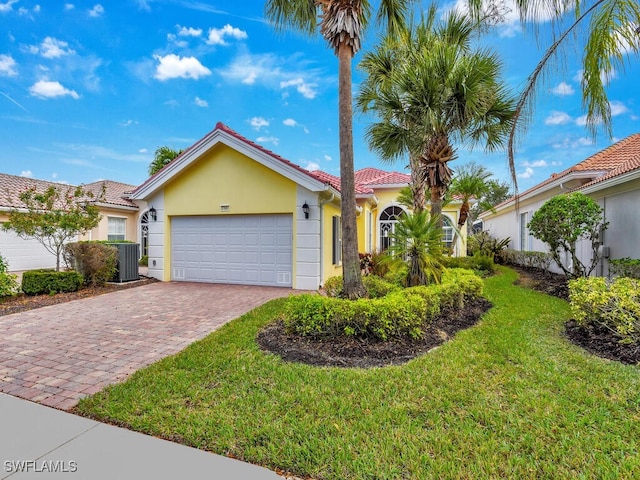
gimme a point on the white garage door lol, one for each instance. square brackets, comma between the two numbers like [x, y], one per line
[24, 254]
[240, 249]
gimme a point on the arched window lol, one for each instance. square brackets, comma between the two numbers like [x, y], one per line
[388, 219]
[447, 231]
[144, 233]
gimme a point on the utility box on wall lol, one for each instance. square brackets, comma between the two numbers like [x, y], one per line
[127, 267]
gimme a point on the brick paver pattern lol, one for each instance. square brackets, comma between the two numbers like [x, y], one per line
[58, 354]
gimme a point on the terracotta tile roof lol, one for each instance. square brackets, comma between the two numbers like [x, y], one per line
[12, 185]
[116, 193]
[617, 159]
[335, 182]
[377, 177]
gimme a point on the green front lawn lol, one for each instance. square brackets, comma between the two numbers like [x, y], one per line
[509, 397]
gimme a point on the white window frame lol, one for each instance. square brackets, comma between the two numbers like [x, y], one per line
[336, 236]
[118, 234]
[525, 237]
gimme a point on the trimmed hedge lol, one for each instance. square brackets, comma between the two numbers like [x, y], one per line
[625, 267]
[615, 305]
[8, 282]
[35, 282]
[400, 313]
[376, 287]
[480, 262]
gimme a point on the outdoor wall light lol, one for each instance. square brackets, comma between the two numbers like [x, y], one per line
[305, 209]
[153, 214]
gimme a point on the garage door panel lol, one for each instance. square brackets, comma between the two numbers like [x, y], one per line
[243, 249]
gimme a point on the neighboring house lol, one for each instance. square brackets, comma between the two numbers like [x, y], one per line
[230, 211]
[611, 177]
[120, 219]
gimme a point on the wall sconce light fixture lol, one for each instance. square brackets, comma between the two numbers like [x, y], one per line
[305, 209]
[153, 214]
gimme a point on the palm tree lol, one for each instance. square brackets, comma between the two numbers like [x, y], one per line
[341, 23]
[417, 241]
[470, 182]
[610, 38]
[162, 157]
[430, 89]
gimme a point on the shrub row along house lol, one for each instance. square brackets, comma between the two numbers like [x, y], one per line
[611, 177]
[228, 210]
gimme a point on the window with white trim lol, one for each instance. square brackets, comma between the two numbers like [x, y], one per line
[388, 219]
[336, 234]
[526, 239]
[447, 231]
[116, 228]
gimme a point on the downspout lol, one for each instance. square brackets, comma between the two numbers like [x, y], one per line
[321, 205]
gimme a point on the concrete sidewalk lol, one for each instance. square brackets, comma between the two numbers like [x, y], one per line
[36, 440]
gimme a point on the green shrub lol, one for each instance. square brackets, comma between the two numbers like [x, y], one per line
[96, 261]
[395, 315]
[431, 294]
[485, 244]
[479, 262]
[333, 286]
[35, 282]
[397, 273]
[8, 282]
[624, 267]
[615, 305]
[377, 287]
[539, 260]
[144, 261]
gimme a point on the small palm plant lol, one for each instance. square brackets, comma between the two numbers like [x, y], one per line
[417, 241]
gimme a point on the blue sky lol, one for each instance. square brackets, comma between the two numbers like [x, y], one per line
[89, 90]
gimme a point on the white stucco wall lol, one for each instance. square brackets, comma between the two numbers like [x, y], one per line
[307, 242]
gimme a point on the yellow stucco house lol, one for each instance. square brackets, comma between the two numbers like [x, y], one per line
[121, 219]
[228, 210]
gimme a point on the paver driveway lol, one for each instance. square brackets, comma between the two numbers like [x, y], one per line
[55, 355]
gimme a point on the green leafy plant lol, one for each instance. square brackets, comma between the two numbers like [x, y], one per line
[96, 261]
[561, 222]
[614, 305]
[55, 216]
[144, 261]
[378, 287]
[624, 267]
[35, 282]
[485, 244]
[8, 281]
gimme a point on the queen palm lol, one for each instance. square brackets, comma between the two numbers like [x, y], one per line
[430, 90]
[470, 181]
[341, 23]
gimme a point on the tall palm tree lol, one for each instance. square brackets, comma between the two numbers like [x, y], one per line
[162, 157]
[471, 181]
[609, 39]
[341, 23]
[430, 90]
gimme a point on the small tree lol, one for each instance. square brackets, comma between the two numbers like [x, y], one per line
[54, 217]
[564, 220]
[163, 156]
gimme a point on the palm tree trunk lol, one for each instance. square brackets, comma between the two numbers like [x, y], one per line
[352, 278]
[417, 184]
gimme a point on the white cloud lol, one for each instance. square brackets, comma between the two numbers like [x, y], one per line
[617, 108]
[528, 173]
[312, 166]
[571, 144]
[581, 121]
[563, 89]
[536, 164]
[557, 118]
[189, 32]
[36, 9]
[174, 66]
[7, 66]
[54, 175]
[52, 48]
[273, 140]
[47, 89]
[307, 90]
[258, 122]
[201, 103]
[96, 11]
[26, 173]
[143, 150]
[128, 123]
[217, 35]
[7, 6]
[289, 122]
[69, 6]
[328, 158]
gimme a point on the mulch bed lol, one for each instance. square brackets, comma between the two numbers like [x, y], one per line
[22, 302]
[596, 339]
[365, 353]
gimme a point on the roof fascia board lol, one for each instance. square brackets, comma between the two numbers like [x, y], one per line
[612, 182]
[220, 136]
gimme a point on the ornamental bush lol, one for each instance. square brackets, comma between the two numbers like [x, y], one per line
[624, 267]
[376, 287]
[95, 261]
[35, 282]
[614, 305]
[8, 282]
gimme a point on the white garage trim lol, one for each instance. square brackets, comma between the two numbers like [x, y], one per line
[237, 249]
